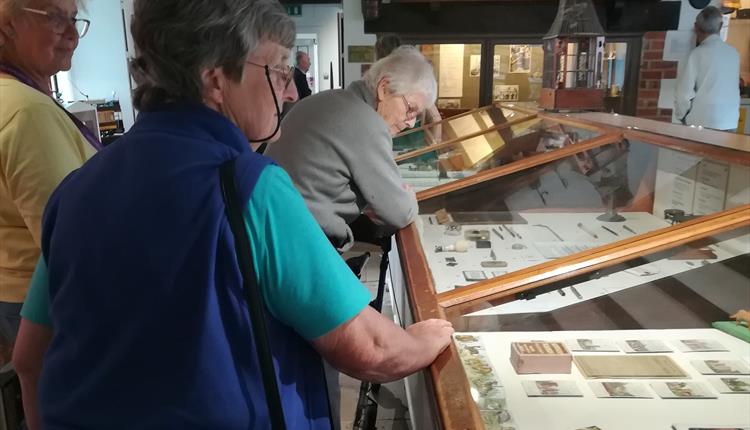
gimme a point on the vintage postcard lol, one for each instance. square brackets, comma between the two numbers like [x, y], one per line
[642, 346]
[682, 390]
[721, 367]
[699, 345]
[551, 389]
[625, 390]
[628, 366]
[592, 345]
[732, 385]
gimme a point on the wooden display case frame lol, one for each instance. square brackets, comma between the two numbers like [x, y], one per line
[456, 408]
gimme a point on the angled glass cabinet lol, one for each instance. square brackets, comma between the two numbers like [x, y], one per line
[480, 141]
[621, 230]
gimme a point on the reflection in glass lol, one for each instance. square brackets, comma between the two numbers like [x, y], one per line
[581, 202]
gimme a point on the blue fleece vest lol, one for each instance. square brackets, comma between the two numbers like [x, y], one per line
[151, 325]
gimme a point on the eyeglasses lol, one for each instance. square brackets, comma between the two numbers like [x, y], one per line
[59, 23]
[285, 74]
[411, 112]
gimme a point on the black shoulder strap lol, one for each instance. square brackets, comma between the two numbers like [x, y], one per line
[253, 296]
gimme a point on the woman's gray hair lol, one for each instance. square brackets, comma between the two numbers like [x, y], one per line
[407, 71]
[175, 40]
[709, 20]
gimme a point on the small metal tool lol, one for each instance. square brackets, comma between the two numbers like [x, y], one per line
[576, 293]
[551, 231]
[513, 232]
[591, 233]
[562, 293]
[429, 218]
[508, 230]
[629, 229]
[492, 255]
[610, 230]
[498, 234]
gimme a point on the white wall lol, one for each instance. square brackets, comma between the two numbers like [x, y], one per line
[354, 34]
[321, 19]
[99, 63]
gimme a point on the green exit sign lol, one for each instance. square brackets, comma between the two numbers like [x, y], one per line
[293, 9]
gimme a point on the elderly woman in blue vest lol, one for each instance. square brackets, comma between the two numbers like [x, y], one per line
[139, 278]
[337, 147]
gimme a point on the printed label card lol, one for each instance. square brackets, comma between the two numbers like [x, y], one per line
[551, 389]
[700, 345]
[592, 345]
[624, 390]
[732, 385]
[643, 346]
[721, 367]
[682, 390]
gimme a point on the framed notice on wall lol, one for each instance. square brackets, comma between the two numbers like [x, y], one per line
[360, 54]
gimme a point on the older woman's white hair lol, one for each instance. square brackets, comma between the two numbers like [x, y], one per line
[407, 71]
[172, 48]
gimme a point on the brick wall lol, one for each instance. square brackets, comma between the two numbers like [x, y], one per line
[653, 70]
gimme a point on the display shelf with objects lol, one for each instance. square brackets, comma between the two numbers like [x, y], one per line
[630, 230]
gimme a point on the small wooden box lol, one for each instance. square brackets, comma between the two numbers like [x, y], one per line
[540, 357]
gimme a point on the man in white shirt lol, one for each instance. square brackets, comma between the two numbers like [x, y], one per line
[707, 91]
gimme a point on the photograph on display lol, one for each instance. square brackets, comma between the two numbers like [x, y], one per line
[641, 346]
[625, 390]
[682, 390]
[551, 389]
[475, 63]
[505, 93]
[496, 69]
[449, 103]
[700, 345]
[520, 59]
[732, 385]
[592, 345]
[721, 367]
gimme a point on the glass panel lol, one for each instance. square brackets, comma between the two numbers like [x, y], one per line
[517, 73]
[469, 156]
[675, 288]
[457, 70]
[571, 205]
[454, 127]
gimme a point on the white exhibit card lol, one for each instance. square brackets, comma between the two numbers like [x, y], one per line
[620, 390]
[682, 390]
[551, 389]
[643, 346]
[700, 345]
[735, 385]
[592, 345]
[721, 367]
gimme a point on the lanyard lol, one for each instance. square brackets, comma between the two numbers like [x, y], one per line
[23, 78]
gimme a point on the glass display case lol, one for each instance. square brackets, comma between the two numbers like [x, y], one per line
[630, 230]
[480, 140]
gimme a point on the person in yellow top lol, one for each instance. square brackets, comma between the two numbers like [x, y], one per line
[40, 142]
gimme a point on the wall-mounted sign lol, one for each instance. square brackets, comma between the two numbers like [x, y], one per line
[293, 9]
[360, 54]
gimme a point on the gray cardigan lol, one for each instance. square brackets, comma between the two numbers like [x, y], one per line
[339, 153]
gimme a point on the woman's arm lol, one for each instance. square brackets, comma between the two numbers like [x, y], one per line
[31, 344]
